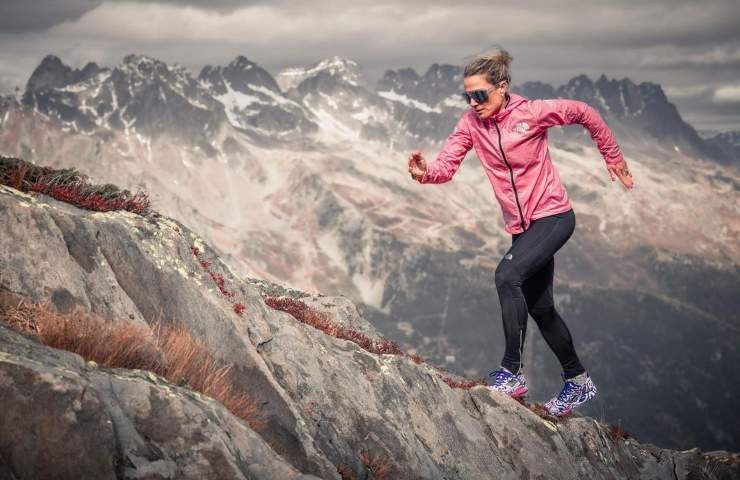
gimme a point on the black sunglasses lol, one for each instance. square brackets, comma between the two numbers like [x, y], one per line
[479, 96]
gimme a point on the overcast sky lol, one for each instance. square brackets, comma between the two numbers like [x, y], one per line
[692, 48]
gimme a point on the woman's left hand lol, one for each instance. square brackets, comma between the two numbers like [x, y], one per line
[622, 171]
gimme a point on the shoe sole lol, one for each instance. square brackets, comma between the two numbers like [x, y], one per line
[517, 393]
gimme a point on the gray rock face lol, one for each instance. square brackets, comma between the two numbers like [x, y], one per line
[141, 95]
[437, 84]
[328, 401]
[253, 99]
[728, 146]
[52, 73]
[112, 423]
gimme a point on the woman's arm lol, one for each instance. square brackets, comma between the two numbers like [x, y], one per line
[559, 111]
[453, 152]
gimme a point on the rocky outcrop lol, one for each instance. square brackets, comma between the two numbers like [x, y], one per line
[101, 423]
[329, 403]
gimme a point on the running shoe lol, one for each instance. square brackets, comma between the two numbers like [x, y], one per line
[576, 391]
[507, 382]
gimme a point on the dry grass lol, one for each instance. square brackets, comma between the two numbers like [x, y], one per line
[169, 351]
[617, 432]
[68, 185]
[380, 465]
[346, 473]
[540, 410]
[219, 280]
[305, 314]
[464, 383]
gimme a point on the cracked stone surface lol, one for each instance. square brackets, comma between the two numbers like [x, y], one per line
[327, 400]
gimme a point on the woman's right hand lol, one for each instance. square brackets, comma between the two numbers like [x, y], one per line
[622, 172]
[417, 165]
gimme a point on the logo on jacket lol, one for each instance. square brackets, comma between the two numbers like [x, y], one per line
[521, 127]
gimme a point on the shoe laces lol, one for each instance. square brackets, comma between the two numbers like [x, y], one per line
[567, 392]
[500, 377]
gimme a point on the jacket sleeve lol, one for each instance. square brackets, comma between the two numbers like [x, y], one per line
[559, 111]
[453, 152]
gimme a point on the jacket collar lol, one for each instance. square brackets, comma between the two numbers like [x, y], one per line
[514, 101]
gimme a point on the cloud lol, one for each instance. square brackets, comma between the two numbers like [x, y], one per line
[727, 93]
[723, 55]
[719, 94]
[674, 42]
[691, 91]
[22, 15]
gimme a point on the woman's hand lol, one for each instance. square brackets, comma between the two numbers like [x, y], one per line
[417, 165]
[622, 171]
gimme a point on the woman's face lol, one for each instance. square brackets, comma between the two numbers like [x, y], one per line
[495, 96]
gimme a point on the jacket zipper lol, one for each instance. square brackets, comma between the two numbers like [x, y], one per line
[511, 175]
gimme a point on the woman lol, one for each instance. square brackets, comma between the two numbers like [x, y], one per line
[509, 134]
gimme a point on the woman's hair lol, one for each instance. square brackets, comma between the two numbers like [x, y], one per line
[495, 65]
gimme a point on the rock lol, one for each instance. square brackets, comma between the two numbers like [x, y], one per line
[329, 402]
[114, 423]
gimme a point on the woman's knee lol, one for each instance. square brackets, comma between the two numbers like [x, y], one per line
[507, 276]
[543, 315]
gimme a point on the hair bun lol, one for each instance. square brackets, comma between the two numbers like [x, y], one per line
[495, 64]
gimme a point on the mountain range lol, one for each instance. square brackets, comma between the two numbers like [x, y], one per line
[300, 178]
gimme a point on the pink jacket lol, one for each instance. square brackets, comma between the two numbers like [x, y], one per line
[512, 147]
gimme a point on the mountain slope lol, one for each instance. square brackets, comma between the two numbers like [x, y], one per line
[116, 423]
[328, 400]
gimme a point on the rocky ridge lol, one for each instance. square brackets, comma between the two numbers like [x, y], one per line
[328, 401]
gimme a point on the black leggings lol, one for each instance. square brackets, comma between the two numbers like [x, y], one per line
[524, 283]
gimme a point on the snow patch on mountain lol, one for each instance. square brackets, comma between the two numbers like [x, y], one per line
[409, 102]
[347, 70]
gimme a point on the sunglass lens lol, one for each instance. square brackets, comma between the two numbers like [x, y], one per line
[480, 96]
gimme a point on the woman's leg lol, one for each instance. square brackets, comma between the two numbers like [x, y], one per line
[538, 293]
[531, 251]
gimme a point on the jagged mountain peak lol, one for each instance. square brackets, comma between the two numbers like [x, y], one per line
[242, 62]
[52, 73]
[579, 86]
[51, 62]
[150, 67]
[398, 80]
[338, 67]
[242, 75]
[618, 97]
[535, 89]
[137, 59]
[436, 90]
[253, 100]
[142, 94]
[443, 71]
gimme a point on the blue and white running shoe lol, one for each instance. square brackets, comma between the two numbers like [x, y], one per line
[505, 381]
[576, 391]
